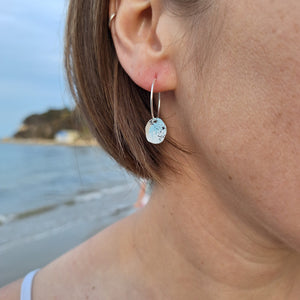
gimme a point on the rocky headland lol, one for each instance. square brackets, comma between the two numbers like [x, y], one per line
[55, 126]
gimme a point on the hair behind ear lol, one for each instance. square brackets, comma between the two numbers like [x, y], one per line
[115, 108]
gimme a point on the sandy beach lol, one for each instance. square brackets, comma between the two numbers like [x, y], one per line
[26, 253]
[49, 142]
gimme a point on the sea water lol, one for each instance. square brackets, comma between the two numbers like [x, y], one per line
[46, 189]
[37, 176]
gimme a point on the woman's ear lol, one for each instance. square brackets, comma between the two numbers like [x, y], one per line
[142, 43]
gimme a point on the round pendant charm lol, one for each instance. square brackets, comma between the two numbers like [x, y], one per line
[156, 131]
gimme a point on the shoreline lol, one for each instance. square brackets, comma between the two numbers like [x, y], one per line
[57, 231]
[49, 142]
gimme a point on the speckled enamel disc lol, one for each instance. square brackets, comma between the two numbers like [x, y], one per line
[156, 131]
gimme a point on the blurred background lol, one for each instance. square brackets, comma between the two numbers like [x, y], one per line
[57, 187]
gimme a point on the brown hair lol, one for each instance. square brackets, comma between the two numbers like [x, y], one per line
[116, 109]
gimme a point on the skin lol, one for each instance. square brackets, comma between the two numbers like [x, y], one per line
[227, 226]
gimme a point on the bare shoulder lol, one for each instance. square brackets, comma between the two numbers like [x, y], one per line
[84, 271]
[11, 291]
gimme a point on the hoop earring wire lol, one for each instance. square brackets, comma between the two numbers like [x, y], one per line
[151, 101]
[156, 129]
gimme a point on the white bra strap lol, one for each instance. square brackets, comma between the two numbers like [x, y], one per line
[27, 285]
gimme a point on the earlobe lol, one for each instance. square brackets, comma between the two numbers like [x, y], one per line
[143, 52]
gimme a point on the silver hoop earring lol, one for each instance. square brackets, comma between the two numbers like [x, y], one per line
[156, 129]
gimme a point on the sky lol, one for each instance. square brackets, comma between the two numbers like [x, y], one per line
[31, 60]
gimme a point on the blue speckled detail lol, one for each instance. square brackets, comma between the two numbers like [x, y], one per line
[156, 131]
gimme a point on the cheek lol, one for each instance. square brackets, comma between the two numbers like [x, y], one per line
[248, 127]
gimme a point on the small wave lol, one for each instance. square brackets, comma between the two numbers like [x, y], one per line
[89, 196]
[81, 197]
[115, 189]
[4, 219]
[96, 195]
[37, 211]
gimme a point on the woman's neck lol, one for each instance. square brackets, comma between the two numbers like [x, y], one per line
[193, 246]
